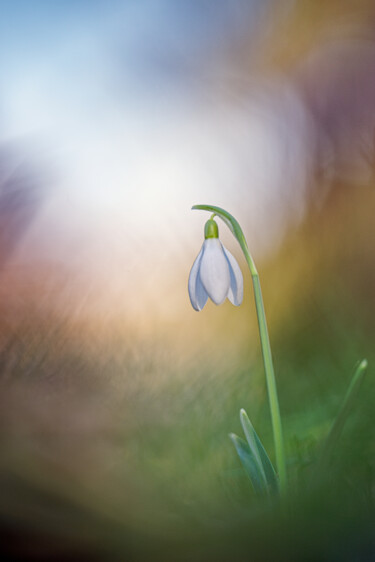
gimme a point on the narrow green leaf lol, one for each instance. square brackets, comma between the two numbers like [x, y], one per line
[259, 451]
[343, 414]
[250, 464]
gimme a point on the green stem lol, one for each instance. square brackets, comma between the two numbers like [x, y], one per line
[269, 371]
[234, 226]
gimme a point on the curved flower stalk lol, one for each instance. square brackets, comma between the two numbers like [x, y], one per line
[202, 284]
[215, 273]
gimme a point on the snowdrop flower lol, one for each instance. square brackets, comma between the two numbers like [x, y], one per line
[215, 272]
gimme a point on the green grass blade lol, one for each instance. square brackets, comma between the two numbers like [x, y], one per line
[344, 412]
[259, 451]
[250, 464]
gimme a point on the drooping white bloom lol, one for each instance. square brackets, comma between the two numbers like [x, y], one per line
[215, 274]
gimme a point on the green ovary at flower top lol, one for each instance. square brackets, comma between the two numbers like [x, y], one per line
[215, 272]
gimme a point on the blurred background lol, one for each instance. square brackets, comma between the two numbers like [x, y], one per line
[116, 396]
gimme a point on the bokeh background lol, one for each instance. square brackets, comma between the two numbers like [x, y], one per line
[116, 396]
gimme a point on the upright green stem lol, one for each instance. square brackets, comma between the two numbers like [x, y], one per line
[234, 226]
[269, 370]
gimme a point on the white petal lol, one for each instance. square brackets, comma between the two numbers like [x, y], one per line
[214, 270]
[197, 294]
[200, 293]
[235, 293]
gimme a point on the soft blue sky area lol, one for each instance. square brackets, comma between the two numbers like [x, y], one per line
[150, 38]
[76, 69]
[150, 53]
